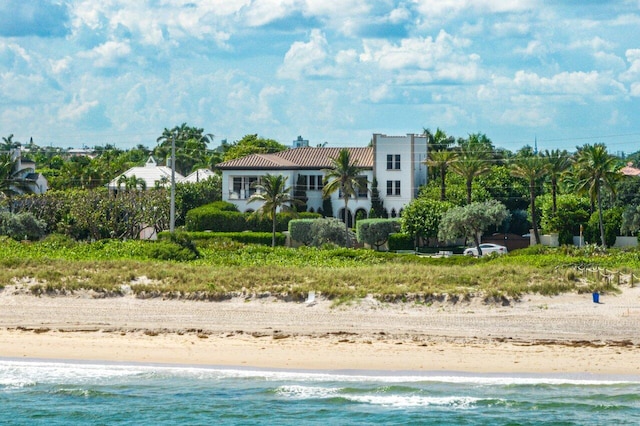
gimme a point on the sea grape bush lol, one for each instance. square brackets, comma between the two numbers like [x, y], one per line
[375, 232]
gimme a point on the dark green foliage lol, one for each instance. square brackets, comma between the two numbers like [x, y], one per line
[612, 220]
[631, 220]
[421, 218]
[375, 232]
[300, 194]
[224, 217]
[20, 226]
[572, 212]
[192, 195]
[210, 218]
[401, 241]
[176, 246]
[327, 207]
[377, 206]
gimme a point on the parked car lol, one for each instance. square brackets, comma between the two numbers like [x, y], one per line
[487, 248]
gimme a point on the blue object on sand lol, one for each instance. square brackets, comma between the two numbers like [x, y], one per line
[596, 297]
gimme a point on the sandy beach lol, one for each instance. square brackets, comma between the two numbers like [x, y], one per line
[537, 334]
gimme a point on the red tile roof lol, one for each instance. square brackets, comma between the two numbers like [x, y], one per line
[629, 170]
[299, 158]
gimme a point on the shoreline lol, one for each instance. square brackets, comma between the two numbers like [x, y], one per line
[565, 334]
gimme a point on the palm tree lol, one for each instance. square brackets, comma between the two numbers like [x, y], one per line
[440, 162]
[532, 168]
[473, 160]
[595, 168]
[558, 162]
[273, 191]
[132, 182]
[345, 177]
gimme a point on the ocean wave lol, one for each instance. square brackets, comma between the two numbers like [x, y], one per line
[29, 372]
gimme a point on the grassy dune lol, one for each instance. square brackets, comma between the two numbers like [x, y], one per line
[224, 269]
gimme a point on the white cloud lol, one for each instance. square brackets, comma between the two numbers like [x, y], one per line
[633, 72]
[635, 89]
[449, 8]
[261, 12]
[420, 52]
[570, 83]
[263, 112]
[76, 109]
[311, 59]
[108, 54]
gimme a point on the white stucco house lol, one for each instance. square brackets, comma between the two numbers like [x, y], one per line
[397, 163]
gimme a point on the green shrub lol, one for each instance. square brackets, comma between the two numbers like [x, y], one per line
[300, 230]
[375, 232]
[400, 241]
[22, 226]
[612, 221]
[177, 246]
[330, 231]
[210, 218]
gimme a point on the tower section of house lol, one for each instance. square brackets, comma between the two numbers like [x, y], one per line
[399, 168]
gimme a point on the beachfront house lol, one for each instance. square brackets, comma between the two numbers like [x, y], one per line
[397, 163]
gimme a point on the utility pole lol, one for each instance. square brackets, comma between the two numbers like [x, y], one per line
[172, 211]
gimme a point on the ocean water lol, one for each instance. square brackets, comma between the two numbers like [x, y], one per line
[73, 393]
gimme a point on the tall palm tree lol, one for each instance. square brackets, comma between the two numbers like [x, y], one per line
[273, 191]
[558, 162]
[596, 168]
[344, 176]
[440, 162]
[473, 160]
[532, 168]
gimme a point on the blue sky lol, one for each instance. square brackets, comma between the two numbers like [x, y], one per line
[83, 72]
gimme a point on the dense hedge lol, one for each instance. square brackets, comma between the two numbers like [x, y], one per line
[224, 217]
[262, 238]
[401, 241]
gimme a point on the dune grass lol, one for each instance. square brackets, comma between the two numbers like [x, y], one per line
[112, 267]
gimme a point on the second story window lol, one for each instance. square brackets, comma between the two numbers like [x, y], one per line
[393, 187]
[393, 162]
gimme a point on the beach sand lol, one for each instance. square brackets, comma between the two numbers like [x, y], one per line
[537, 334]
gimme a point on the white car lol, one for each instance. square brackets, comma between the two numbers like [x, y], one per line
[487, 248]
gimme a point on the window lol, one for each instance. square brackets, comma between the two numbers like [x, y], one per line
[393, 162]
[363, 191]
[393, 187]
[243, 187]
[315, 182]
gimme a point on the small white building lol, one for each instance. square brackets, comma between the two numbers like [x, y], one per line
[151, 173]
[397, 163]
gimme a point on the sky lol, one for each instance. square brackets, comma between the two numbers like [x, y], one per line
[560, 73]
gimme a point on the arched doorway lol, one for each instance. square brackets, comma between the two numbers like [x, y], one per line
[349, 217]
